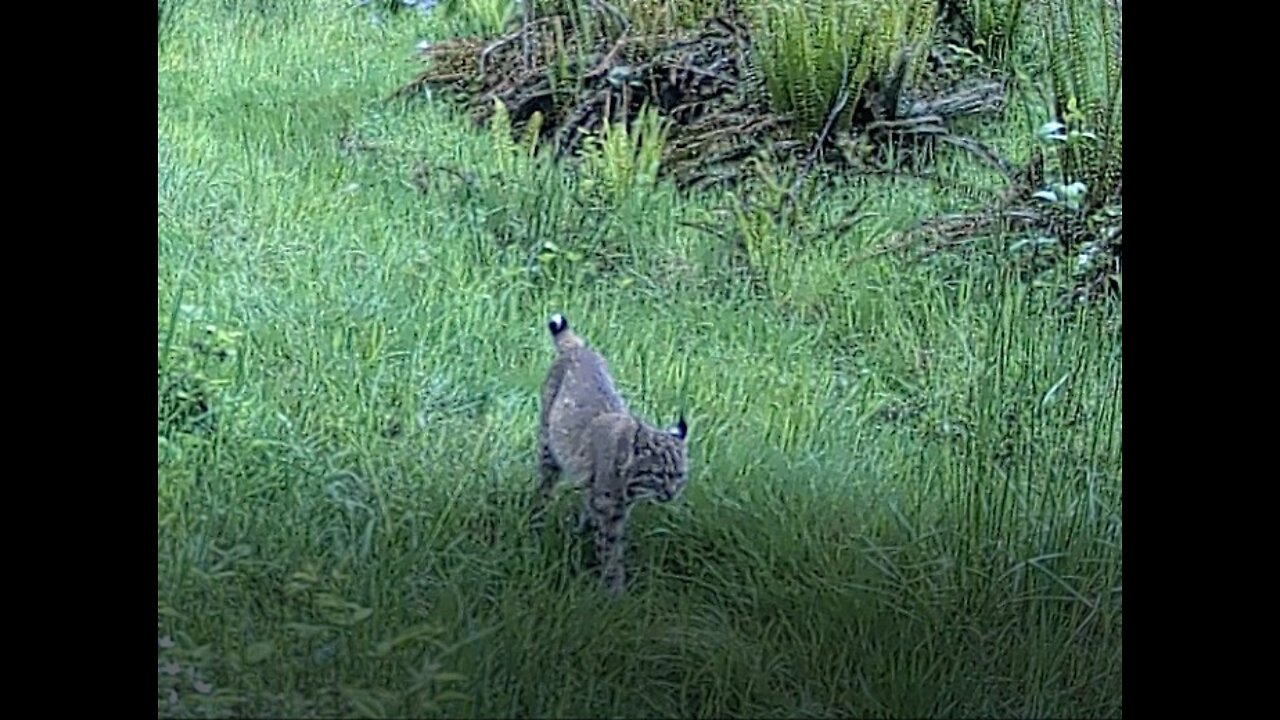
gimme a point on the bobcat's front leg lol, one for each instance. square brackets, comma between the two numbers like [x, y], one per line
[549, 475]
[609, 512]
[585, 521]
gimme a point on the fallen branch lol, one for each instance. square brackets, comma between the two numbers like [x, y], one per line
[833, 112]
[983, 98]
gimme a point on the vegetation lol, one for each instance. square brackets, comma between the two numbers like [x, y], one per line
[906, 449]
[993, 26]
[809, 53]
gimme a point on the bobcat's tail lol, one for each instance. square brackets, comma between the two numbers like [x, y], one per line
[561, 335]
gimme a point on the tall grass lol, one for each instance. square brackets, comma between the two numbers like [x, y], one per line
[906, 489]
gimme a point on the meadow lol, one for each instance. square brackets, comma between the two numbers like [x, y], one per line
[906, 488]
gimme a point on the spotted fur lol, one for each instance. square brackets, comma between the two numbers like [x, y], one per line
[587, 432]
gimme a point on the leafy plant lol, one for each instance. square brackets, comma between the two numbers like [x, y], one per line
[193, 376]
[1086, 236]
[535, 209]
[991, 26]
[623, 160]
[802, 50]
[482, 18]
[182, 684]
[658, 16]
[505, 155]
[1069, 194]
[1087, 102]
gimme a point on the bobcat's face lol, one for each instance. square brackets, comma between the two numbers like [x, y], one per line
[672, 485]
[656, 487]
[660, 469]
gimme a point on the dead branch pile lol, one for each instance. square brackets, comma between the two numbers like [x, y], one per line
[700, 81]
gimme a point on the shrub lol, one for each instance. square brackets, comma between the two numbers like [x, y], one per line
[1083, 40]
[803, 48]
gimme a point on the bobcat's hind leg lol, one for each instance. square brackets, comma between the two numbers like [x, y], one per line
[548, 477]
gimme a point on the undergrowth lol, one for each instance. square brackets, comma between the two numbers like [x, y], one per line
[906, 481]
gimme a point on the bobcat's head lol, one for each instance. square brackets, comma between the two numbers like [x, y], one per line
[660, 468]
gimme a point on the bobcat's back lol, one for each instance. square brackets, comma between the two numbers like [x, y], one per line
[577, 390]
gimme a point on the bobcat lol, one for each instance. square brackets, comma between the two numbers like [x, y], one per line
[615, 459]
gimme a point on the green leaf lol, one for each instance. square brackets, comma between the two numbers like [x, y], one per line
[413, 633]
[367, 707]
[307, 630]
[1052, 130]
[258, 652]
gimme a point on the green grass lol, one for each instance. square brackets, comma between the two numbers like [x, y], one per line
[906, 477]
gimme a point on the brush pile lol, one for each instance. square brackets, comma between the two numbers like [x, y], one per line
[569, 74]
[580, 67]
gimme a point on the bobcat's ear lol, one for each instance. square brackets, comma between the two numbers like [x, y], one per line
[681, 429]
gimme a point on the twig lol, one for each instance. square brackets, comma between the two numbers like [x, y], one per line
[503, 42]
[898, 78]
[955, 227]
[623, 24]
[986, 97]
[837, 107]
[983, 152]
[707, 72]
[494, 47]
[916, 125]
[603, 67]
[707, 228]
[525, 23]
[849, 219]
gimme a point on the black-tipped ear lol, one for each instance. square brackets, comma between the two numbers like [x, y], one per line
[557, 324]
[681, 429]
